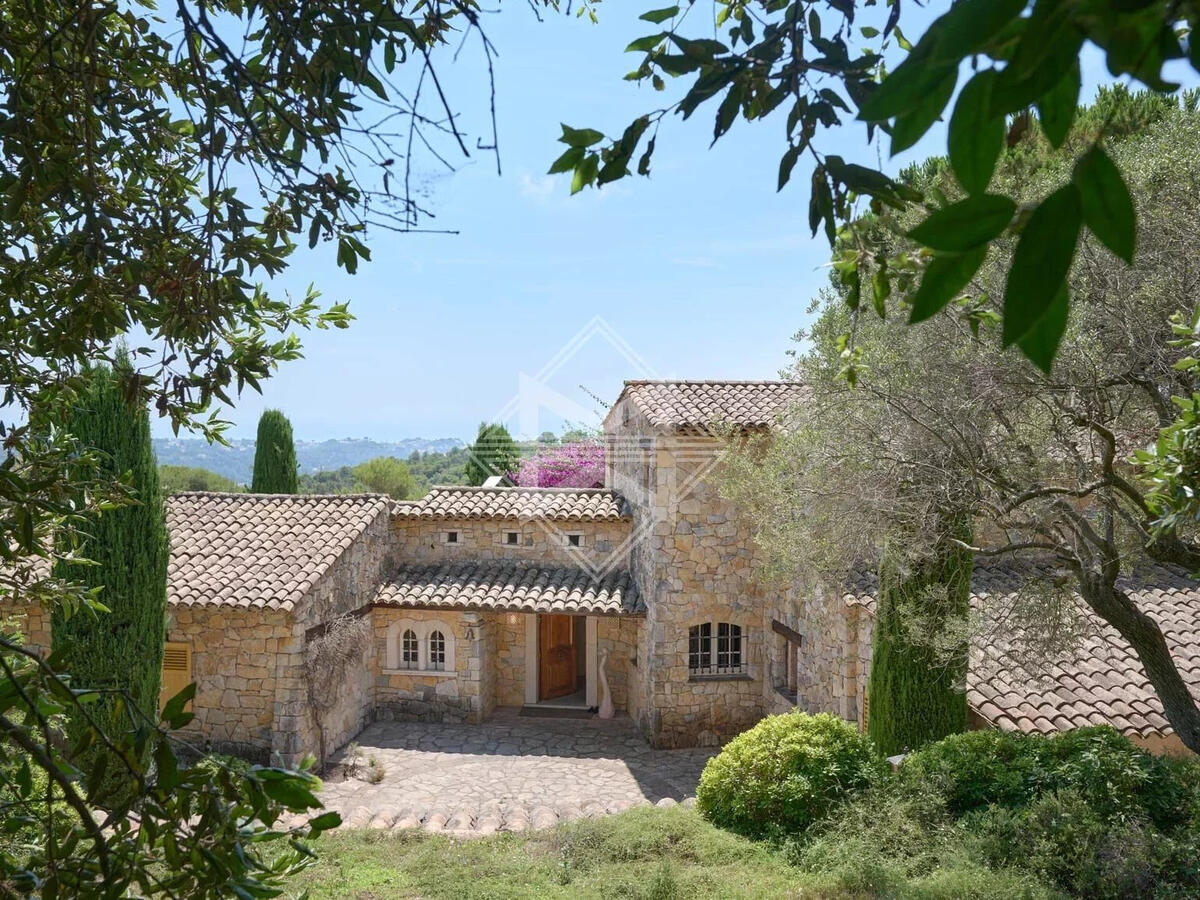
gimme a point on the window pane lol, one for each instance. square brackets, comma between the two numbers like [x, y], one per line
[408, 650]
[437, 650]
[700, 648]
[729, 648]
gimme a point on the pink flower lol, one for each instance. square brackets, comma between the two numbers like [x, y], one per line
[578, 465]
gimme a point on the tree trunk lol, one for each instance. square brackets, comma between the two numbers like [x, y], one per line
[1147, 640]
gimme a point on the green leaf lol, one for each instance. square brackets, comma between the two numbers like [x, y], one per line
[786, 164]
[905, 88]
[944, 279]
[970, 24]
[1107, 207]
[173, 713]
[291, 792]
[1041, 261]
[965, 224]
[912, 125]
[647, 43]
[1040, 343]
[1056, 108]
[580, 137]
[881, 289]
[585, 172]
[976, 137]
[324, 822]
[568, 161]
[658, 16]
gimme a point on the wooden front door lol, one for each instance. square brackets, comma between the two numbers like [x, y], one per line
[556, 656]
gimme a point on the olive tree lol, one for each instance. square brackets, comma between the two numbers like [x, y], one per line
[943, 418]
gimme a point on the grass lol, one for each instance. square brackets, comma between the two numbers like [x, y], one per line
[647, 854]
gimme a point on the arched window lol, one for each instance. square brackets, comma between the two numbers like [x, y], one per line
[437, 651]
[409, 650]
[420, 646]
[716, 648]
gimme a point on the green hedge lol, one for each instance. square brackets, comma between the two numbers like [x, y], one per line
[785, 773]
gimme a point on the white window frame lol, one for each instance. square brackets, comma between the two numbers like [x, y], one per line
[709, 647]
[574, 534]
[458, 535]
[504, 541]
[394, 664]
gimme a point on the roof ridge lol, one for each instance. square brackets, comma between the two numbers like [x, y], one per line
[251, 495]
[517, 487]
[636, 381]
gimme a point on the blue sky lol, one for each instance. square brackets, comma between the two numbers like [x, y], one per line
[700, 271]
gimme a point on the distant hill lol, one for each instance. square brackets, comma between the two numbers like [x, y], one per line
[237, 460]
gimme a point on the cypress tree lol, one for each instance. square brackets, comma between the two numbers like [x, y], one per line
[121, 649]
[915, 686]
[274, 455]
[493, 453]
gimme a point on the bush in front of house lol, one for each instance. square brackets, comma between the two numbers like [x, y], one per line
[785, 773]
[992, 768]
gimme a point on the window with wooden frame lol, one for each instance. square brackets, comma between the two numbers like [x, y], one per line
[176, 670]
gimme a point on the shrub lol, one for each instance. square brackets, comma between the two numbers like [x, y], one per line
[1114, 777]
[1063, 839]
[785, 773]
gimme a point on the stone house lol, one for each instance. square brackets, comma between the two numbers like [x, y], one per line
[477, 597]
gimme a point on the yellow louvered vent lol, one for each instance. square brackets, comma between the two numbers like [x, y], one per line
[866, 709]
[177, 670]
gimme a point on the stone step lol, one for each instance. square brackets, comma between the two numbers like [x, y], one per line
[486, 818]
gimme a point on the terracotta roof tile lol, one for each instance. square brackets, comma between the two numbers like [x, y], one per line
[694, 406]
[1102, 681]
[586, 504]
[510, 587]
[259, 550]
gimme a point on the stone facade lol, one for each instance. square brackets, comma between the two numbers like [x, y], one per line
[693, 561]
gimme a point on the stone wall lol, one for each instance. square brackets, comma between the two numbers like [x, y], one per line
[420, 541]
[235, 654]
[618, 635]
[347, 587]
[832, 661]
[508, 660]
[455, 695]
[693, 560]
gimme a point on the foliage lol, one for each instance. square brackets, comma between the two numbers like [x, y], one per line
[1046, 814]
[579, 464]
[429, 469]
[177, 479]
[493, 452]
[126, 549]
[274, 455]
[992, 768]
[344, 640]
[830, 64]
[784, 774]
[387, 475]
[944, 421]
[917, 693]
[157, 178]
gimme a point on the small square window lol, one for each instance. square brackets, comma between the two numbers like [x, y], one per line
[512, 537]
[451, 537]
[574, 540]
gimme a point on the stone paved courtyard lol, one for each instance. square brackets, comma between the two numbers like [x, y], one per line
[510, 773]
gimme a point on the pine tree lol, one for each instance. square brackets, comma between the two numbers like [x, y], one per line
[123, 648]
[493, 453]
[919, 651]
[274, 455]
